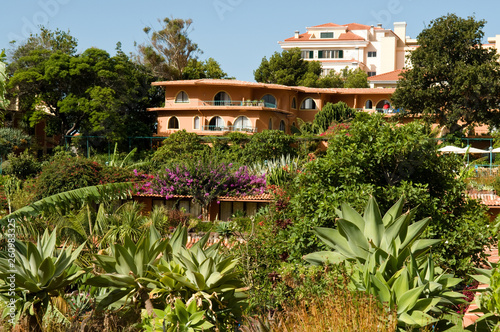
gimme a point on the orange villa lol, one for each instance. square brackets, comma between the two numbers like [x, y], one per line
[215, 106]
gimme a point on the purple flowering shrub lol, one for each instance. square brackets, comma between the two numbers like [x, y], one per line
[203, 181]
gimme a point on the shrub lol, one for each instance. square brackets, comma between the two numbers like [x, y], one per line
[22, 166]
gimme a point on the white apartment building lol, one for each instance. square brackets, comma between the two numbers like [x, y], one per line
[379, 51]
[376, 50]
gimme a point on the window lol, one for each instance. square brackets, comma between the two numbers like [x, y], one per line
[308, 104]
[372, 73]
[182, 97]
[270, 126]
[173, 123]
[307, 54]
[282, 125]
[331, 54]
[196, 122]
[242, 123]
[294, 103]
[326, 35]
[269, 101]
[369, 104]
[372, 54]
[216, 123]
[222, 99]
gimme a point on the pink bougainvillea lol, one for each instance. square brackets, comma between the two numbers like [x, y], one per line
[204, 182]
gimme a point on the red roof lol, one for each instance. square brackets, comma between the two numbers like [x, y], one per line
[350, 36]
[489, 199]
[326, 25]
[390, 76]
[302, 37]
[357, 26]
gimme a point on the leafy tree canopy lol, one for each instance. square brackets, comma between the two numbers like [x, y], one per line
[3, 77]
[91, 93]
[332, 113]
[387, 160]
[203, 69]
[169, 49]
[288, 68]
[453, 79]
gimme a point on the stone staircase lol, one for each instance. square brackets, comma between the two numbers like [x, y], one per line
[469, 317]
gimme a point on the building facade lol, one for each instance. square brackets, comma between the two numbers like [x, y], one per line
[376, 50]
[215, 107]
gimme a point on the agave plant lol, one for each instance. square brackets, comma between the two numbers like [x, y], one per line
[127, 266]
[41, 274]
[203, 275]
[181, 318]
[390, 261]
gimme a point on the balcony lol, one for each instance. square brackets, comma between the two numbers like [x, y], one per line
[229, 129]
[238, 103]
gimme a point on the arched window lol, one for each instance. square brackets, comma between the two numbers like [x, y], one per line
[282, 125]
[182, 97]
[173, 123]
[270, 126]
[216, 123]
[222, 99]
[369, 104]
[294, 103]
[384, 106]
[196, 122]
[308, 104]
[242, 123]
[269, 101]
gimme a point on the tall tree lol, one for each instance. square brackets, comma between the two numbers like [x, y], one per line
[3, 76]
[209, 68]
[91, 93]
[287, 68]
[169, 49]
[453, 79]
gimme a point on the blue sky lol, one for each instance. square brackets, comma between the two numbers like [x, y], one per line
[236, 33]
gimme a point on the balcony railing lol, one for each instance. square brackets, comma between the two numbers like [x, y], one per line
[259, 103]
[229, 128]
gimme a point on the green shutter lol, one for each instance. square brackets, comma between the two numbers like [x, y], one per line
[341, 54]
[320, 54]
[311, 54]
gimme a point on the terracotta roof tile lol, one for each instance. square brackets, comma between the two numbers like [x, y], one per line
[488, 199]
[327, 25]
[350, 36]
[357, 26]
[302, 37]
[390, 76]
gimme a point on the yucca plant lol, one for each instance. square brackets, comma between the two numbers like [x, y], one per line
[390, 261]
[41, 273]
[181, 318]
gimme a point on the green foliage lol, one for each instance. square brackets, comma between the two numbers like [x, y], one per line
[65, 173]
[12, 139]
[453, 79]
[91, 93]
[169, 49]
[3, 77]
[346, 78]
[22, 166]
[40, 273]
[387, 160]
[489, 299]
[288, 68]
[180, 318]
[179, 146]
[203, 69]
[386, 251]
[332, 113]
[268, 145]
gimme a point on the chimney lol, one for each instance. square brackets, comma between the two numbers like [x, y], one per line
[297, 34]
[400, 30]
[379, 25]
[371, 30]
